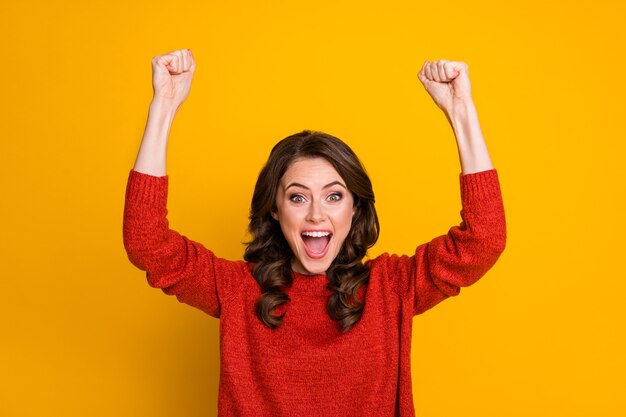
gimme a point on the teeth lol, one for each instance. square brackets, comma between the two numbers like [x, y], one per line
[316, 234]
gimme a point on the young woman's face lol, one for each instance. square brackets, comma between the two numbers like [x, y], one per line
[314, 209]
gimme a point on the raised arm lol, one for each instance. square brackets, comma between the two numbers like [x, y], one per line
[459, 258]
[171, 81]
[448, 84]
[172, 262]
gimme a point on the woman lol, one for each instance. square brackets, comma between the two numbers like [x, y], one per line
[306, 327]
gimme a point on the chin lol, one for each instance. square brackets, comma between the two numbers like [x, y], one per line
[313, 268]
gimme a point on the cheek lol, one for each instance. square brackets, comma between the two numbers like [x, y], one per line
[344, 220]
[289, 235]
[289, 221]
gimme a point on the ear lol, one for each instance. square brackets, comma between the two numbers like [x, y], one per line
[274, 214]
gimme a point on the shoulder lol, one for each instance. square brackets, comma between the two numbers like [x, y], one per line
[387, 263]
[392, 271]
[232, 276]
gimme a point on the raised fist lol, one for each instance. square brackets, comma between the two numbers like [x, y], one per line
[447, 82]
[172, 74]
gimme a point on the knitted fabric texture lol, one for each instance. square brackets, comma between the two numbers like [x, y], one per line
[307, 367]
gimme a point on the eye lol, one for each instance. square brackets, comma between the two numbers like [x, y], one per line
[296, 198]
[335, 197]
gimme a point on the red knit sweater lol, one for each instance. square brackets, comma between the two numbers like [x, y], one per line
[307, 367]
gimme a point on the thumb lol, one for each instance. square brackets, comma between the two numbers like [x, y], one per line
[170, 62]
[454, 68]
[450, 70]
[442, 71]
[175, 62]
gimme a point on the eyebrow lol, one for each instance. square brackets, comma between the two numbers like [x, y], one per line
[330, 184]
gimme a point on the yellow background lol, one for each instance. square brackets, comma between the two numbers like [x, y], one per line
[83, 334]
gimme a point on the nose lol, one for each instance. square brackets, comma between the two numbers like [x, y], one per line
[316, 212]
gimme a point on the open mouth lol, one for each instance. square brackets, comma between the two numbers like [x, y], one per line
[316, 243]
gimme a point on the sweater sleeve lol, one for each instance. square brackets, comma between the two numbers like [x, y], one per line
[459, 258]
[172, 262]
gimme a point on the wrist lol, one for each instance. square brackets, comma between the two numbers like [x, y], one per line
[461, 111]
[162, 105]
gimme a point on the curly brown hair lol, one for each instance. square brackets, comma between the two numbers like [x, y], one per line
[269, 250]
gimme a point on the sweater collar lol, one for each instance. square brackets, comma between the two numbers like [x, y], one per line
[309, 284]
